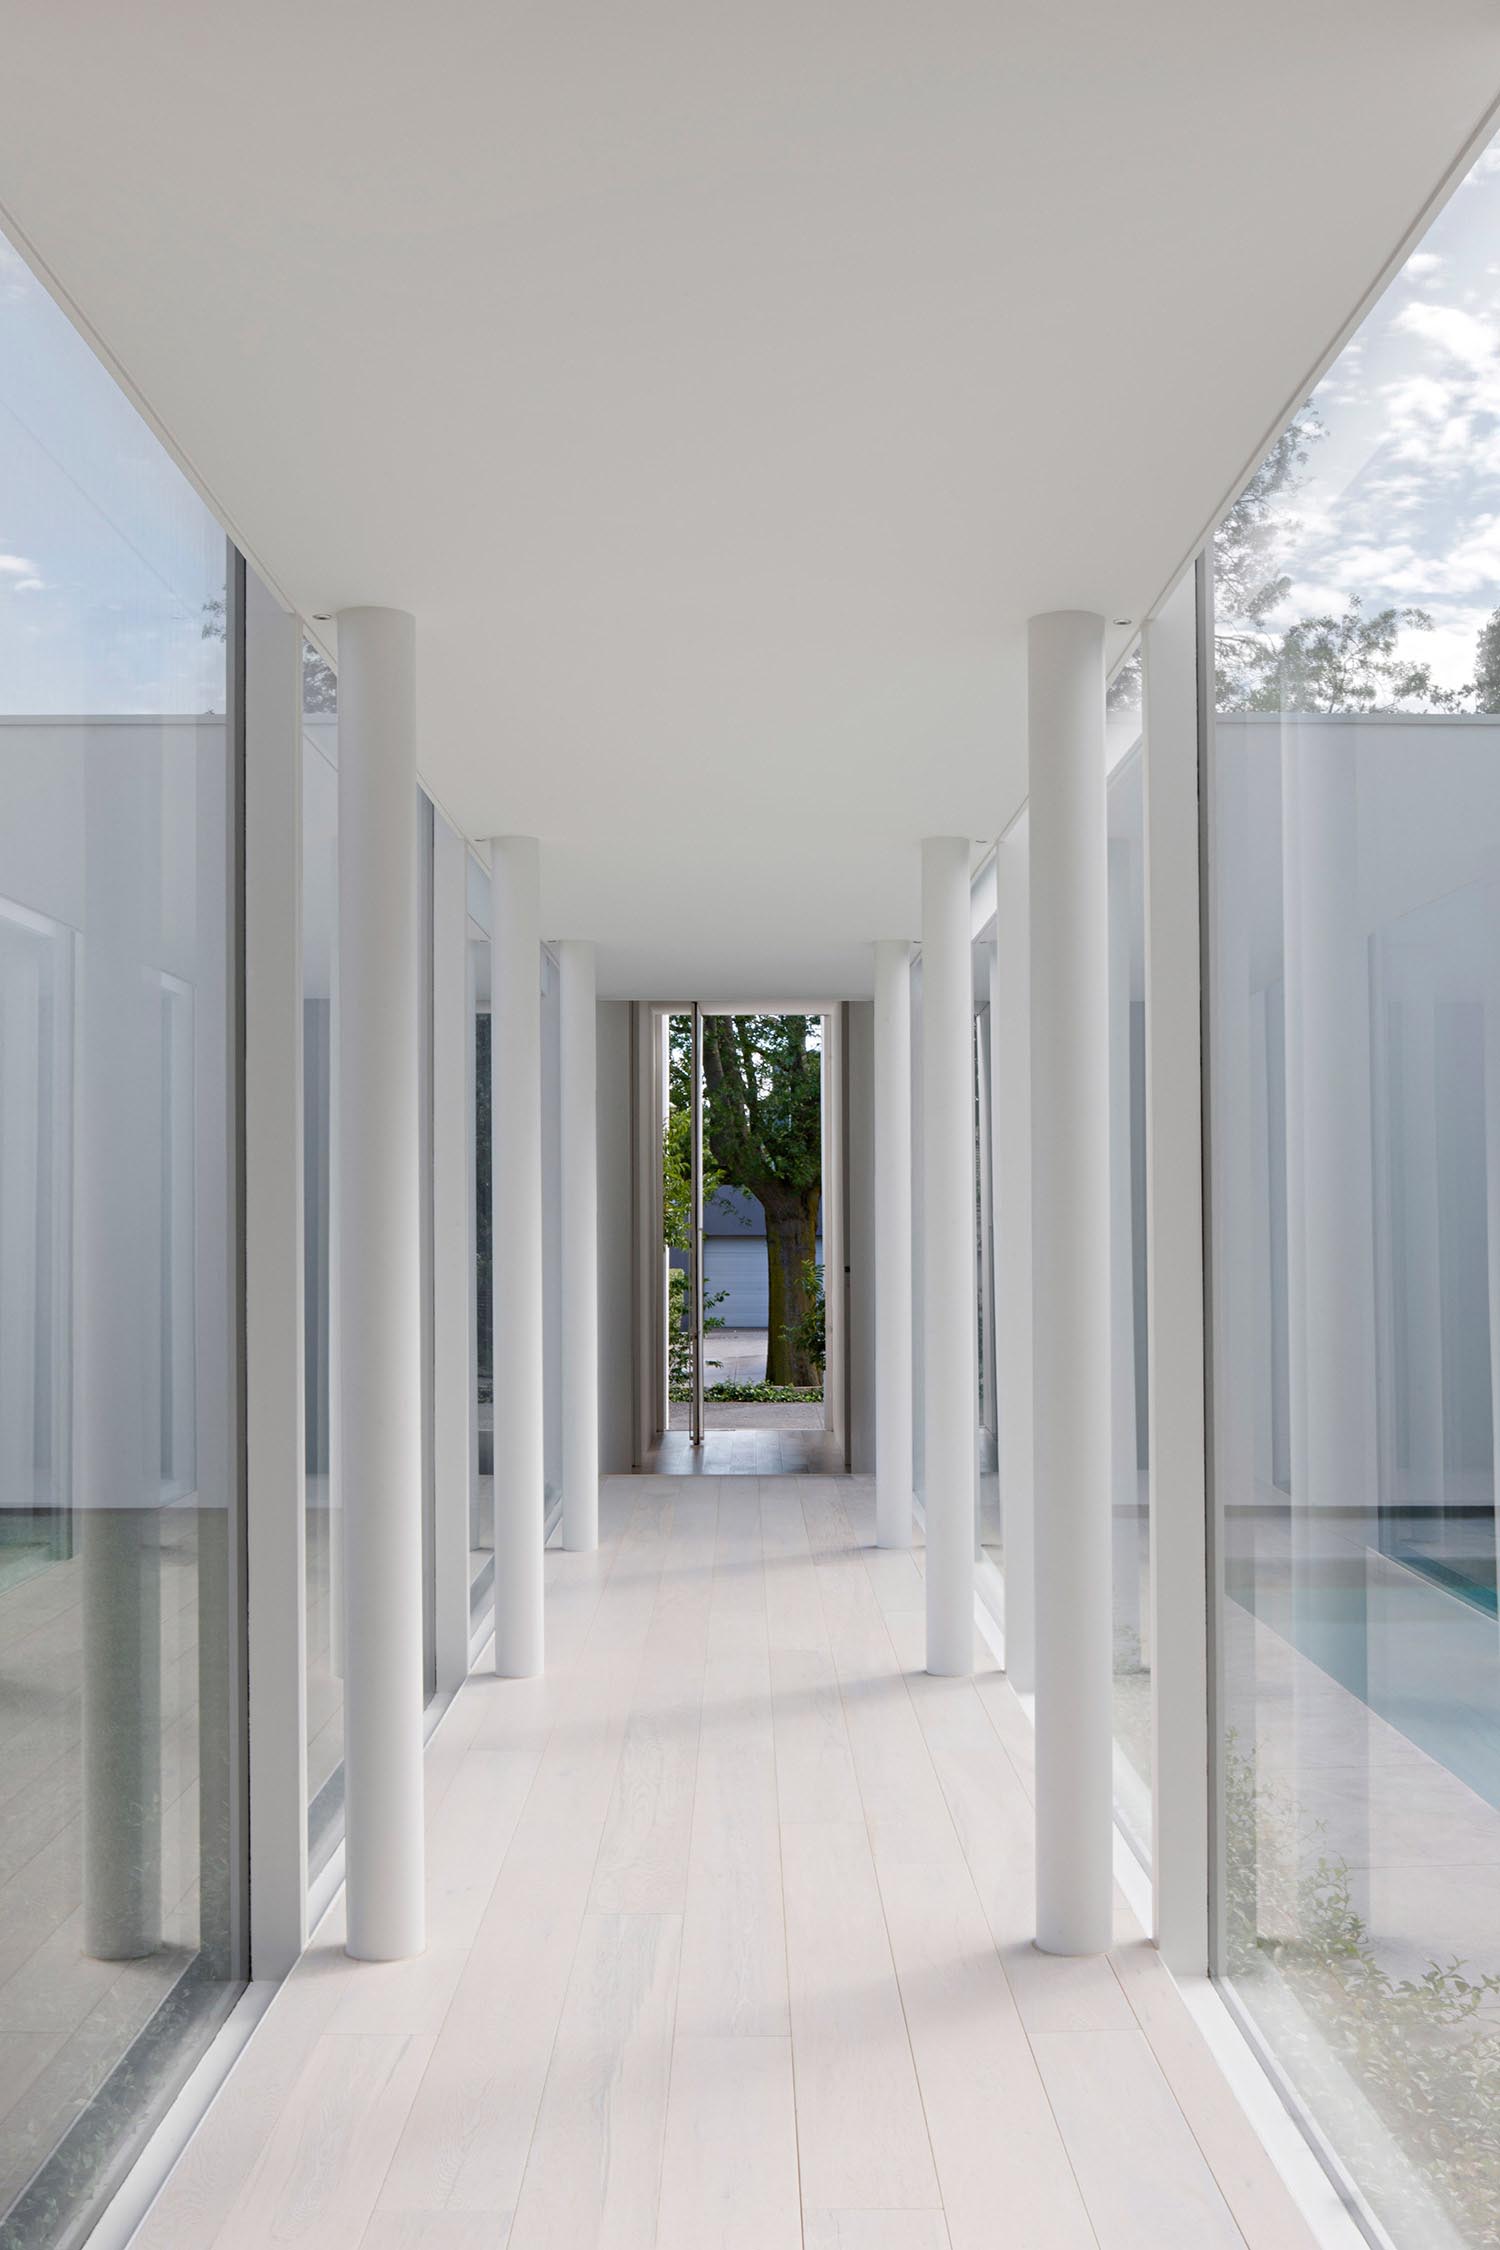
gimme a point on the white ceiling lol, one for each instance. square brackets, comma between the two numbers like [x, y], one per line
[723, 386]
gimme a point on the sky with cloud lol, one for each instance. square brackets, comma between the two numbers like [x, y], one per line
[1399, 504]
[107, 555]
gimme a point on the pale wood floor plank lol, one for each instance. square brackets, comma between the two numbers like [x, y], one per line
[594, 2171]
[862, 2133]
[729, 2176]
[465, 2143]
[1143, 2176]
[212, 2172]
[1256, 2194]
[994, 2137]
[643, 1858]
[430, 2230]
[876, 2230]
[737, 1615]
[734, 1936]
[814, 1763]
[320, 2172]
[794, 1614]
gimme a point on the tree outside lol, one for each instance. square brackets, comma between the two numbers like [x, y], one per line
[1347, 660]
[763, 1133]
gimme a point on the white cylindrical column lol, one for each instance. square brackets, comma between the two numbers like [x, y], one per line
[1010, 1067]
[1070, 1280]
[893, 1276]
[516, 1235]
[580, 1245]
[380, 1391]
[950, 1406]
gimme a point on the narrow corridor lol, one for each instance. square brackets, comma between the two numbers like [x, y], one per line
[729, 1945]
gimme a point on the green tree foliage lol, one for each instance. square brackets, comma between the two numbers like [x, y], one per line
[677, 1172]
[1251, 541]
[680, 1338]
[320, 686]
[1487, 666]
[763, 1128]
[677, 1211]
[810, 1336]
[1344, 663]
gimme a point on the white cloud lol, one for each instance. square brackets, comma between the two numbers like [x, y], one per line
[16, 566]
[1472, 342]
[1474, 561]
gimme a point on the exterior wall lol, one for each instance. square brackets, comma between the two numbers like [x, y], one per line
[734, 1257]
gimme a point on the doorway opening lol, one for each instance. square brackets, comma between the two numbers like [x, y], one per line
[750, 1200]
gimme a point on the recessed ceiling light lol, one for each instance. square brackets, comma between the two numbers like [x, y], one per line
[325, 617]
[1122, 620]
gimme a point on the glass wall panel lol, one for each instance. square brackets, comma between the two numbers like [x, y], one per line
[320, 901]
[551, 1232]
[122, 1834]
[987, 1489]
[1130, 1483]
[482, 1477]
[1353, 775]
[425, 837]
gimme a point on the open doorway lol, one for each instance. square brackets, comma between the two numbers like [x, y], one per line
[746, 1220]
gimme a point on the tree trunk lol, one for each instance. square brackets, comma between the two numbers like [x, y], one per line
[791, 1248]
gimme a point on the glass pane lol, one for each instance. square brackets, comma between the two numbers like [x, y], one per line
[990, 1541]
[1354, 789]
[1130, 1546]
[482, 1482]
[425, 846]
[551, 1232]
[320, 874]
[677, 1220]
[122, 1834]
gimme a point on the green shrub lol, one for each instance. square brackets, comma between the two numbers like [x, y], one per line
[807, 1336]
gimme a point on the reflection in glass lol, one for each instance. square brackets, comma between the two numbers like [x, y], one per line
[987, 1485]
[324, 1515]
[482, 1480]
[1130, 1461]
[122, 1835]
[426, 817]
[1354, 1051]
[551, 1233]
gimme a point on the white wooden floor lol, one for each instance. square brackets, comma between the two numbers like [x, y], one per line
[729, 1951]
